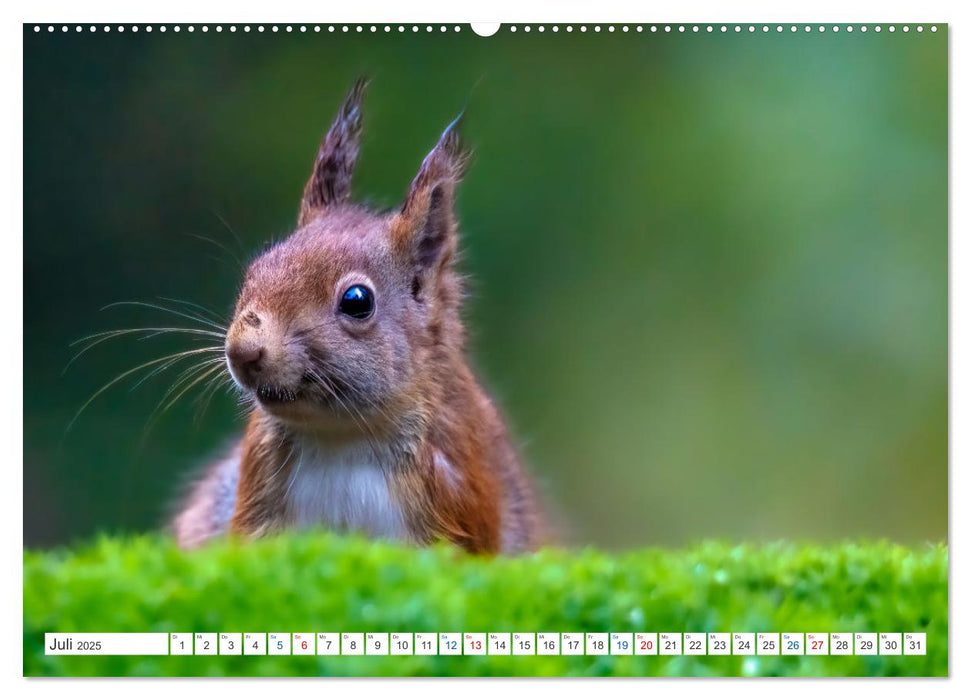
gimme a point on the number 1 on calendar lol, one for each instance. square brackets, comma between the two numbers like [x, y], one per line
[180, 644]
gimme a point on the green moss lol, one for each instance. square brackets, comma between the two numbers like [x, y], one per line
[325, 583]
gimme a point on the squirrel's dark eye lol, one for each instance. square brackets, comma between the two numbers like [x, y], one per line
[357, 302]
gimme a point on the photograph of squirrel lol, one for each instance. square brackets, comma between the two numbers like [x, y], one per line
[347, 342]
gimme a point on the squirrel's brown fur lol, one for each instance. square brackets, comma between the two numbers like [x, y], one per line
[374, 424]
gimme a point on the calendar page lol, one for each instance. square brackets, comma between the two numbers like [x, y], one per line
[517, 349]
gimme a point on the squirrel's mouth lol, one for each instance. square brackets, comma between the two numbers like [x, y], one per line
[269, 394]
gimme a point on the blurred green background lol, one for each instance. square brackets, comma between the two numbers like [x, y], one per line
[709, 272]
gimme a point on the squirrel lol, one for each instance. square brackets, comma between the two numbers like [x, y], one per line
[348, 342]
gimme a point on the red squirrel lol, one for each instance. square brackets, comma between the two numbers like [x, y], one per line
[347, 340]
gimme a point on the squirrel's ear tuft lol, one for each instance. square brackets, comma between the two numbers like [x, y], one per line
[425, 226]
[330, 182]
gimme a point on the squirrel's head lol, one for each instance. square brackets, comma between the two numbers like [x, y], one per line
[342, 320]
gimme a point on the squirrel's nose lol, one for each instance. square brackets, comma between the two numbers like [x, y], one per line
[245, 359]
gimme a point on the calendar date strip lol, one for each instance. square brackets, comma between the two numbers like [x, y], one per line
[486, 644]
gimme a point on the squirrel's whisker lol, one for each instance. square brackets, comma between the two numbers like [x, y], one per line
[293, 447]
[205, 309]
[213, 385]
[128, 373]
[188, 372]
[146, 329]
[159, 307]
[239, 263]
[186, 381]
[232, 231]
[96, 339]
[161, 368]
[362, 424]
[327, 367]
[199, 371]
[293, 477]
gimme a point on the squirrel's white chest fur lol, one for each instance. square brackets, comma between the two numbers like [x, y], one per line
[344, 488]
